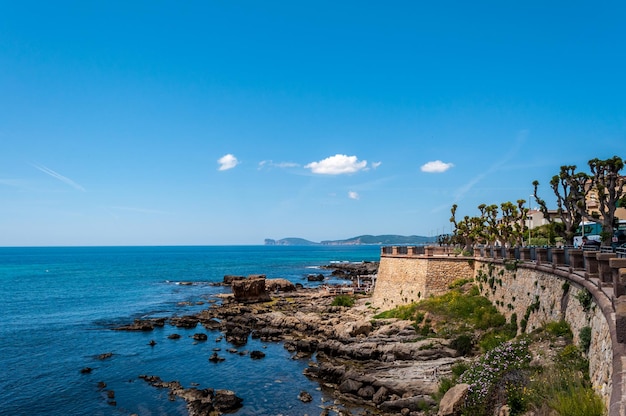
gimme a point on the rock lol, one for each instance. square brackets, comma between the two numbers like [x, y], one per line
[237, 335]
[214, 358]
[350, 386]
[366, 392]
[315, 277]
[174, 336]
[229, 279]
[305, 397]
[505, 410]
[250, 290]
[255, 355]
[187, 322]
[454, 400]
[380, 395]
[227, 401]
[200, 402]
[200, 337]
[105, 356]
[142, 325]
[279, 285]
[86, 370]
[211, 324]
[152, 343]
[414, 403]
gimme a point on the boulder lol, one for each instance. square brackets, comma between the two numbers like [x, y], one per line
[226, 401]
[255, 355]
[453, 401]
[305, 397]
[200, 402]
[214, 358]
[414, 403]
[143, 325]
[315, 277]
[279, 285]
[350, 386]
[251, 290]
[229, 279]
[188, 321]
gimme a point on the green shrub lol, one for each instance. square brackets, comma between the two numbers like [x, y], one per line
[585, 298]
[458, 283]
[585, 338]
[559, 329]
[343, 300]
[463, 344]
[493, 339]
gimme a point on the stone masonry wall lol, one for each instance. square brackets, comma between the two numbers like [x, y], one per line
[402, 281]
[536, 294]
[537, 297]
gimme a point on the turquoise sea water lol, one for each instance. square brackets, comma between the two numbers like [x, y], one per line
[58, 305]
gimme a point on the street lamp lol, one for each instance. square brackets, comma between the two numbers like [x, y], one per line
[530, 221]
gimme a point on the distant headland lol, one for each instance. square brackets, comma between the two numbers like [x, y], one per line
[359, 240]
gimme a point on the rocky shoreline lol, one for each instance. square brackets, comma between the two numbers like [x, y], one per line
[371, 366]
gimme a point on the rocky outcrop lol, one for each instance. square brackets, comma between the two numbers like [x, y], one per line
[279, 285]
[143, 325]
[200, 402]
[250, 290]
[384, 364]
[315, 277]
[353, 270]
[229, 279]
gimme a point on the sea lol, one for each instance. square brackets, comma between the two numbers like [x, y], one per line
[59, 305]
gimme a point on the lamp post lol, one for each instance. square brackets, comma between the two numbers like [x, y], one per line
[530, 221]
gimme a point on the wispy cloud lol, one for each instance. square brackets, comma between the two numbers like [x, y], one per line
[495, 167]
[353, 195]
[282, 165]
[58, 176]
[228, 161]
[436, 166]
[337, 165]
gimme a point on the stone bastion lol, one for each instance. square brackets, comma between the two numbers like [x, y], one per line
[539, 285]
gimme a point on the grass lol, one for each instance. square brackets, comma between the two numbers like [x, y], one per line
[343, 300]
[461, 311]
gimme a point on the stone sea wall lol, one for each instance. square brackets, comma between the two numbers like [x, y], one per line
[535, 297]
[402, 281]
[530, 292]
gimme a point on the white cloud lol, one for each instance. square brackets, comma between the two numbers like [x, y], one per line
[353, 195]
[436, 166]
[227, 162]
[376, 164]
[337, 165]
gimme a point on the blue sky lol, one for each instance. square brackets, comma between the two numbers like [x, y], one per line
[228, 122]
